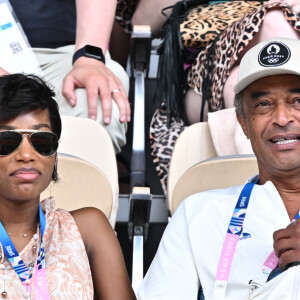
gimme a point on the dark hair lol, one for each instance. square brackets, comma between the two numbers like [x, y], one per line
[21, 93]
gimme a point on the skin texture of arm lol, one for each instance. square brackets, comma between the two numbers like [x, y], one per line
[109, 274]
[94, 24]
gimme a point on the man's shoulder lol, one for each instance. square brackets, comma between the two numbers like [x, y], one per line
[214, 195]
[220, 199]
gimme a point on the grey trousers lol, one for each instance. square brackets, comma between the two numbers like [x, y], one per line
[56, 63]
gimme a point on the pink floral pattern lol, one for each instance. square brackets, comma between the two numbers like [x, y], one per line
[67, 265]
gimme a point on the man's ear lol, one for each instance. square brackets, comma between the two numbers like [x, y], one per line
[242, 121]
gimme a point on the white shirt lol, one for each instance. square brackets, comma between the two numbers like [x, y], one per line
[190, 249]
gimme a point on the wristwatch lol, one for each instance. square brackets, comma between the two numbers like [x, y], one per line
[89, 51]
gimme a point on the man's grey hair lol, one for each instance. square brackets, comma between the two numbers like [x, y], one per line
[238, 103]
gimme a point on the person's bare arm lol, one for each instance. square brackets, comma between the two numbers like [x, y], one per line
[106, 260]
[149, 13]
[94, 24]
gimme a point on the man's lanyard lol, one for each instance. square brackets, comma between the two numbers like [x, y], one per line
[234, 231]
[41, 289]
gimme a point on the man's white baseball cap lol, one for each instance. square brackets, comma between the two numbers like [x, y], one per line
[271, 57]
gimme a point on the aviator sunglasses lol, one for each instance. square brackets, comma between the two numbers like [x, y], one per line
[43, 142]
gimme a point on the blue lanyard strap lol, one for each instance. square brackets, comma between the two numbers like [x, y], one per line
[239, 213]
[234, 230]
[297, 216]
[12, 254]
[42, 221]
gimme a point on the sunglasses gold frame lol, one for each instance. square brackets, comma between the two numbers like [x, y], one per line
[29, 132]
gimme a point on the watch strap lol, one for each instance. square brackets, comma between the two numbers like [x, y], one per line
[89, 51]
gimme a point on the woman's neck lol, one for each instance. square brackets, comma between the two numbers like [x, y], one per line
[19, 217]
[20, 220]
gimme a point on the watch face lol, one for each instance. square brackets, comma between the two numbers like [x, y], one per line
[94, 51]
[89, 51]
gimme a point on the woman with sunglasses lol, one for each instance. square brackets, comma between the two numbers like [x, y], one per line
[47, 253]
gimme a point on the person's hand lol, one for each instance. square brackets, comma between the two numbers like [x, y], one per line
[97, 79]
[3, 72]
[287, 244]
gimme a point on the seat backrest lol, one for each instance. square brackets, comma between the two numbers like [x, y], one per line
[192, 146]
[87, 139]
[80, 184]
[215, 173]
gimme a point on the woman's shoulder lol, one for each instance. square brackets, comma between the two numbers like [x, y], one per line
[89, 216]
[92, 212]
[104, 253]
[93, 225]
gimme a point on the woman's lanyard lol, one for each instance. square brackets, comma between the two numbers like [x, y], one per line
[40, 286]
[234, 231]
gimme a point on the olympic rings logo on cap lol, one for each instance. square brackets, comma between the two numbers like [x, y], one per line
[274, 54]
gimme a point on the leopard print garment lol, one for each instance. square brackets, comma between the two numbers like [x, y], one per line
[225, 50]
[162, 141]
[124, 12]
[205, 22]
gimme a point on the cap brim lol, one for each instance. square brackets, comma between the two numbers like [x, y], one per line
[260, 74]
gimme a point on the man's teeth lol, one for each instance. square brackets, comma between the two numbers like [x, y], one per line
[288, 141]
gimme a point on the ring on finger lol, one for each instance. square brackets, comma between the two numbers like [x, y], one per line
[115, 91]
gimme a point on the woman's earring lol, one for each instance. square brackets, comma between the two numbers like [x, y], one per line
[50, 188]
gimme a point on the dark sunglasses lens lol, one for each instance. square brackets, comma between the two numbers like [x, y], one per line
[45, 143]
[9, 142]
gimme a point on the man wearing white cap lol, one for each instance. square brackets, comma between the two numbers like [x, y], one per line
[243, 242]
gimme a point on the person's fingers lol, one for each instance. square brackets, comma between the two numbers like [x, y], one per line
[123, 104]
[106, 102]
[287, 239]
[121, 99]
[98, 82]
[118, 96]
[294, 224]
[92, 99]
[127, 105]
[68, 91]
[288, 257]
[280, 234]
[280, 241]
[281, 246]
[129, 111]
